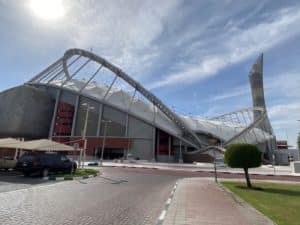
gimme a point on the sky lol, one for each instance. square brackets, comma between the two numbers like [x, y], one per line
[193, 55]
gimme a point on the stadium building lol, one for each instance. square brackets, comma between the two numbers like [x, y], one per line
[83, 96]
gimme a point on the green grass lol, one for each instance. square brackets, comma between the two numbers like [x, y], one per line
[78, 173]
[279, 202]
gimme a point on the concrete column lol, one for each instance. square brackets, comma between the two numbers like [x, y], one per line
[153, 143]
[169, 143]
[154, 134]
[157, 142]
[75, 116]
[100, 112]
[54, 114]
[126, 135]
[180, 152]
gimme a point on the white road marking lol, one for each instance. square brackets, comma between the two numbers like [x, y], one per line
[169, 201]
[162, 215]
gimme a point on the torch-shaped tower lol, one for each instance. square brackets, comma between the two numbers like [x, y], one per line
[257, 89]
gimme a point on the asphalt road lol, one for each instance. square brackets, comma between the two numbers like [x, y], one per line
[119, 197]
[11, 181]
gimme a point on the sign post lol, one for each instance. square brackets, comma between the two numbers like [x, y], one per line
[76, 147]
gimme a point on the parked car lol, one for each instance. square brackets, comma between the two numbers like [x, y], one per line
[7, 162]
[45, 163]
[130, 158]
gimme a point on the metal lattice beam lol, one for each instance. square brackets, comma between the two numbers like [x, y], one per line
[186, 131]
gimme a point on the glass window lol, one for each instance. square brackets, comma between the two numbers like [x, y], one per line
[68, 97]
[63, 158]
[116, 124]
[93, 115]
[139, 129]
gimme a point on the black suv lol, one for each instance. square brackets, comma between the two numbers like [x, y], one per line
[45, 163]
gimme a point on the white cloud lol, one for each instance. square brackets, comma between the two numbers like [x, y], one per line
[290, 111]
[138, 35]
[284, 119]
[236, 46]
[274, 86]
[233, 93]
[121, 31]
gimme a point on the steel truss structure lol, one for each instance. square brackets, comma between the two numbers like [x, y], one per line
[67, 74]
[246, 125]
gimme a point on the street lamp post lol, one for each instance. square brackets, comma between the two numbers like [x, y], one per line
[180, 152]
[298, 139]
[214, 142]
[215, 166]
[273, 161]
[103, 142]
[88, 107]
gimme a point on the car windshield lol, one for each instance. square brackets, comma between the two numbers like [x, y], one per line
[64, 158]
[27, 157]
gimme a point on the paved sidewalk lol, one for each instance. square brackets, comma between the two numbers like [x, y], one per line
[200, 201]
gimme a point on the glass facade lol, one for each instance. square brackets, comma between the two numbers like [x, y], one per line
[92, 124]
[68, 97]
[117, 125]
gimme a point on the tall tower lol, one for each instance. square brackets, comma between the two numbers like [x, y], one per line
[257, 89]
[258, 99]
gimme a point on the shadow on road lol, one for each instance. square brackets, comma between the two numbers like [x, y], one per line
[17, 178]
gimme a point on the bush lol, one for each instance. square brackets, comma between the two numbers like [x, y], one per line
[243, 156]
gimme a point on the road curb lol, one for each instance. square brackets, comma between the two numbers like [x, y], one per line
[135, 167]
[206, 171]
[68, 178]
[242, 173]
[162, 215]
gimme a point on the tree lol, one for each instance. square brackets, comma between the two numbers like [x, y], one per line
[298, 141]
[243, 156]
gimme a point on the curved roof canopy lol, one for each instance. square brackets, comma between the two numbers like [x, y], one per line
[90, 75]
[35, 145]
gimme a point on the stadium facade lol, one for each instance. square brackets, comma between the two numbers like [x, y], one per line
[82, 95]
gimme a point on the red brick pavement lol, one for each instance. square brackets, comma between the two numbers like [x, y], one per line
[199, 201]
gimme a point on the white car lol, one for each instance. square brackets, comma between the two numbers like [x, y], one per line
[7, 162]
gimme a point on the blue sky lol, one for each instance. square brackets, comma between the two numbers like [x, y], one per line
[194, 55]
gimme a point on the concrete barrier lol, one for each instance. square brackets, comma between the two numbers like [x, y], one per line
[295, 166]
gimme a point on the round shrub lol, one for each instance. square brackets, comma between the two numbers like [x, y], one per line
[242, 156]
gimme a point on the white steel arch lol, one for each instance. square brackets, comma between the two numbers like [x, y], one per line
[60, 70]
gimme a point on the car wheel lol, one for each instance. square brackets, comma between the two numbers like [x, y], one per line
[45, 172]
[72, 169]
[26, 174]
